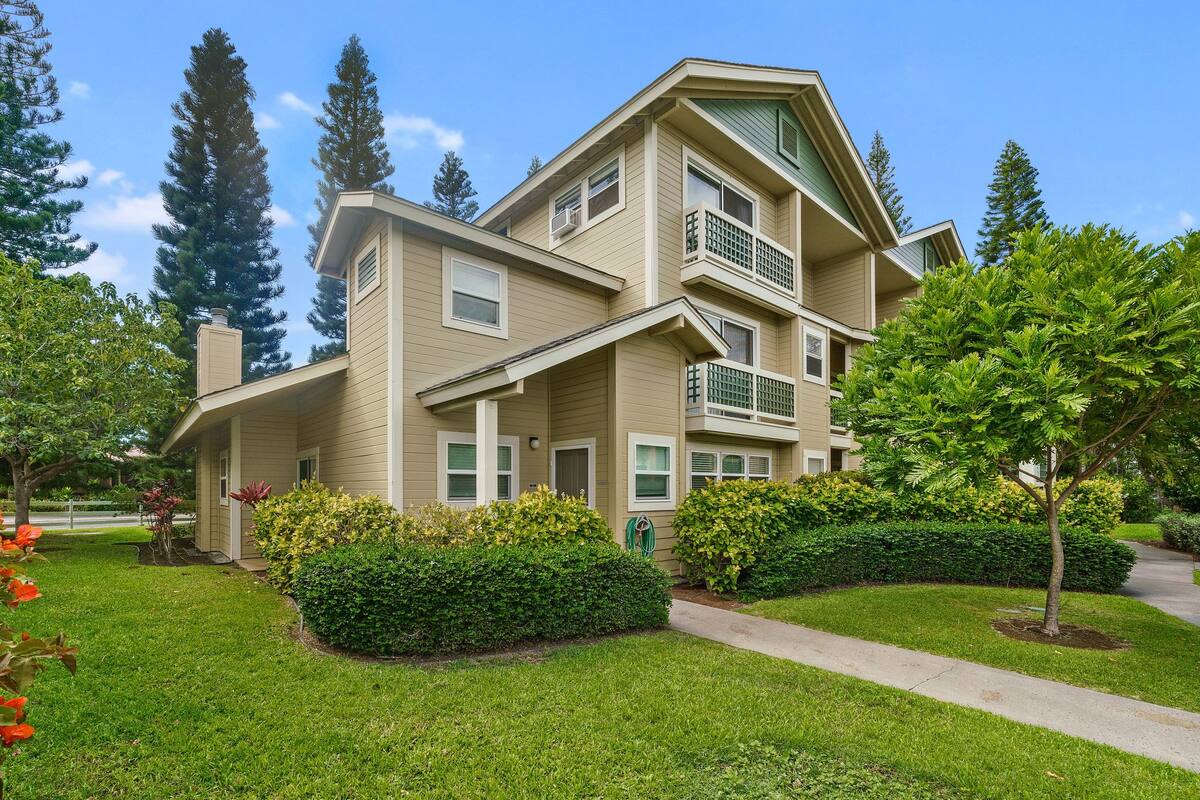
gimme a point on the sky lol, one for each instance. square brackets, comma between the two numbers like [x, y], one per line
[1104, 96]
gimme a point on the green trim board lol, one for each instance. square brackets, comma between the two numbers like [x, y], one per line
[762, 123]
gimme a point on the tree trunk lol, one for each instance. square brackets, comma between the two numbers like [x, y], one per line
[21, 493]
[1054, 589]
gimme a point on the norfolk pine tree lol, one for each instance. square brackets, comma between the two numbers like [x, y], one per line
[883, 175]
[452, 190]
[1014, 203]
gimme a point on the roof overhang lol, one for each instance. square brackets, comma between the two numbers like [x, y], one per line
[678, 321]
[216, 407]
[946, 241]
[353, 211]
[692, 78]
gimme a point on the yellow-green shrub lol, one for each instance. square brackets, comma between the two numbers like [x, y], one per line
[540, 517]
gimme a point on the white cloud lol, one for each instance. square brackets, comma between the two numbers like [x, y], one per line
[283, 218]
[264, 121]
[103, 265]
[109, 177]
[407, 131]
[79, 89]
[293, 102]
[74, 169]
[1186, 220]
[126, 212]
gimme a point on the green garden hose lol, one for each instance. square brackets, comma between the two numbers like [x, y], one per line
[639, 534]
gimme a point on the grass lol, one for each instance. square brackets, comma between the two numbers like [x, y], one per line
[1138, 532]
[190, 685]
[954, 620]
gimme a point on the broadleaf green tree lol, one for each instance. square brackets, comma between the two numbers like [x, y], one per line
[35, 221]
[83, 373]
[352, 154]
[883, 175]
[1014, 204]
[1080, 348]
[452, 190]
[217, 250]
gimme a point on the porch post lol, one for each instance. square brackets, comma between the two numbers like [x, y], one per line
[486, 417]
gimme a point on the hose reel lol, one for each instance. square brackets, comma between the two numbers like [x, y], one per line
[639, 535]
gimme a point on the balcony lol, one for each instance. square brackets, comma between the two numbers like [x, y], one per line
[728, 397]
[745, 260]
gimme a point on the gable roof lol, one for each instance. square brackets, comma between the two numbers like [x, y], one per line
[908, 253]
[698, 78]
[676, 318]
[347, 218]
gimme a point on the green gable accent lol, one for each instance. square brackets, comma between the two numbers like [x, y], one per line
[759, 123]
[919, 256]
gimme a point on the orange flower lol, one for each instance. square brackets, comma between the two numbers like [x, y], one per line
[22, 592]
[15, 732]
[26, 536]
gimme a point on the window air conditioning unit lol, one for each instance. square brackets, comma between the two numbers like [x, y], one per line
[565, 221]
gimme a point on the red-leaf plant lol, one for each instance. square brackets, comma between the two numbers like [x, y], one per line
[22, 656]
[161, 501]
[252, 493]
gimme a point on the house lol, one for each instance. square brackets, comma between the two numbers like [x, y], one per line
[665, 302]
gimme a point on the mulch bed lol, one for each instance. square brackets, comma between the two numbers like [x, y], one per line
[1077, 636]
[698, 594]
[182, 555]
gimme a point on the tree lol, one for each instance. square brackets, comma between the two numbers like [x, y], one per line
[34, 222]
[452, 190]
[82, 373]
[1081, 347]
[883, 175]
[1014, 203]
[351, 154]
[217, 252]
[535, 166]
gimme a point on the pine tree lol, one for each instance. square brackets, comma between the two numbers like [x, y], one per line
[351, 154]
[217, 249]
[883, 175]
[535, 166]
[1014, 203]
[452, 190]
[34, 223]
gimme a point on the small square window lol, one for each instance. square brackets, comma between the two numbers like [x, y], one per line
[652, 468]
[456, 460]
[474, 294]
[307, 467]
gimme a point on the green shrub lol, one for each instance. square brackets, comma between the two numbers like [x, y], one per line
[312, 519]
[1140, 504]
[1181, 531]
[905, 552]
[540, 517]
[390, 599]
[722, 527]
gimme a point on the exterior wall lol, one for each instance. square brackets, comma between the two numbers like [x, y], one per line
[578, 396]
[647, 391]
[888, 306]
[268, 454]
[769, 325]
[348, 420]
[842, 290]
[212, 523]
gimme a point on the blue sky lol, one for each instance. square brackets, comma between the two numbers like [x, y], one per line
[1103, 96]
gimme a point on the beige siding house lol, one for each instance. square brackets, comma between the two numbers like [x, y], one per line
[665, 303]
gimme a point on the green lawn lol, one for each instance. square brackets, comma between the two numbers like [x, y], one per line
[954, 620]
[189, 685]
[1138, 532]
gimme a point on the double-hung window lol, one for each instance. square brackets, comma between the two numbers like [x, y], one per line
[705, 186]
[596, 194]
[712, 465]
[474, 294]
[738, 335]
[308, 466]
[223, 477]
[366, 270]
[457, 468]
[651, 472]
[814, 355]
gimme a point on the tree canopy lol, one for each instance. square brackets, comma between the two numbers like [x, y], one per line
[452, 189]
[1081, 346]
[1014, 204]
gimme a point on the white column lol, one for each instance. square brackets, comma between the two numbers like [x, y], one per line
[235, 483]
[486, 418]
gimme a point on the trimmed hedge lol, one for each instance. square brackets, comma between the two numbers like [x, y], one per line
[1181, 531]
[389, 599]
[907, 552]
[722, 527]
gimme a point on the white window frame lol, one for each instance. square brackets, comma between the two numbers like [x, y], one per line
[657, 504]
[223, 477]
[720, 454]
[313, 453]
[445, 438]
[704, 165]
[580, 182]
[814, 455]
[577, 444]
[737, 319]
[375, 243]
[449, 256]
[823, 378]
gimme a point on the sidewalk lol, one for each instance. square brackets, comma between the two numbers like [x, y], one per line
[1163, 579]
[1158, 732]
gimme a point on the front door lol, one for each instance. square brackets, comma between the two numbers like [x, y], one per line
[572, 467]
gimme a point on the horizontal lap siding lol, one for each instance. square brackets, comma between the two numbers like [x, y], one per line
[579, 410]
[670, 212]
[888, 306]
[841, 290]
[541, 309]
[770, 325]
[348, 420]
[649, 399]
[268, 454]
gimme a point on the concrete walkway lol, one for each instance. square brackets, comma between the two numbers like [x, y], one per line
[1163, 579]
[1158, 732]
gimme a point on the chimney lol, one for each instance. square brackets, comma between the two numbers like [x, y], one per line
[218, 354]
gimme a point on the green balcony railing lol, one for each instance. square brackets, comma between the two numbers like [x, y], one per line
[709, 232]
[735, 389]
